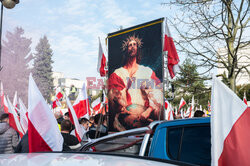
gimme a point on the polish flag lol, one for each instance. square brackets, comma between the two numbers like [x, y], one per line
[81, 104]
[74, 120]
[101, 61]
[182, 103]
[168, 111]
[170, 50]
[59, 96]
[96, 104]
[191, 109]
[23, 116]
[245, 98]
[14, 119]
[209, 106]
[3, 102]
[182, 114]
[44, 134]
[15, 102]
[230, 123]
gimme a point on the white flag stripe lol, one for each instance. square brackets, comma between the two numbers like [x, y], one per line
[39, 113]
[23, 117]
[13, 112]
[76, 122]
[223, 99]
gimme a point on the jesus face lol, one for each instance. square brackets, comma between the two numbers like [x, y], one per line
[132, 48]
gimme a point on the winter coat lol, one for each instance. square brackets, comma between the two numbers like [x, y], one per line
[8, 138]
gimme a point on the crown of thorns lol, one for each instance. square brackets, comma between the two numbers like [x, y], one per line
[129, 39]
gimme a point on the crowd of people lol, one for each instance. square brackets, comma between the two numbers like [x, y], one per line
[94, 127]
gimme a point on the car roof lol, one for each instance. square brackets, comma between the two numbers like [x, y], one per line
[189, 121]
[75, 159]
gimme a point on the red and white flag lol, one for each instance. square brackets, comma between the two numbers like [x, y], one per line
[182, 103]
[96, 104]
[15, 100]
[81, 104]
[168, 111]
[14, 119]
[191, 109]
[173, 58]
[59, 96]
[44, 134]
[230, 123]
[245, 98]
[74, 120]
[101, 61]
[23, 116]
[209, 106]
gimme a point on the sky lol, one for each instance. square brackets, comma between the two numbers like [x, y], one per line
[73, 27]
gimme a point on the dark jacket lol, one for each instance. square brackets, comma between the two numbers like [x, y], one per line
[102, 131]
[23, 146]
[8, 138]
[71, 141]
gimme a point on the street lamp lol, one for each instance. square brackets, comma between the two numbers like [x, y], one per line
[9, 4]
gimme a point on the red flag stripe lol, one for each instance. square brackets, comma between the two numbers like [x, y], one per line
[236, 145]
[36, 142]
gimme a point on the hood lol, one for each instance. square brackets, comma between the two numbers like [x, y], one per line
[4, 127]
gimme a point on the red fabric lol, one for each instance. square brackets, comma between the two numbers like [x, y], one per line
[182, 104]
[77, 136]
[190, 113]
[173, 58]
[13, 124]
[103, 72]
[166, 105]
[245, 100]
[54, 105]
[97, 107]
[36, 142]
[155, 78]
[81, 108]
[59, 95]
[236, 149]
[115, 82]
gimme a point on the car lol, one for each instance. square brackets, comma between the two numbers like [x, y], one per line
[75, 159]
[183, 140]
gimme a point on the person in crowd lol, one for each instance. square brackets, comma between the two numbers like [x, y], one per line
[8, 136]
[69, 140]
[73, 90]
[91, 121]
[199, 113]
[84, 124]
[59, 118]
[66, 116]
[98, 129]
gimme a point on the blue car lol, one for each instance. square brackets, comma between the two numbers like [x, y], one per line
[184, 141]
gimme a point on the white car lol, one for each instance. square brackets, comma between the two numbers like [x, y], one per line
[75, 159]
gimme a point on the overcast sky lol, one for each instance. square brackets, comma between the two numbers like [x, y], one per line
[73, 27]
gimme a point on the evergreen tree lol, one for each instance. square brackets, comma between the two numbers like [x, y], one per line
[190, 83]
[15, 59]
[42, 71]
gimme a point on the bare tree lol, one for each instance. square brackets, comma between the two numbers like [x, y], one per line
[212, 32]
